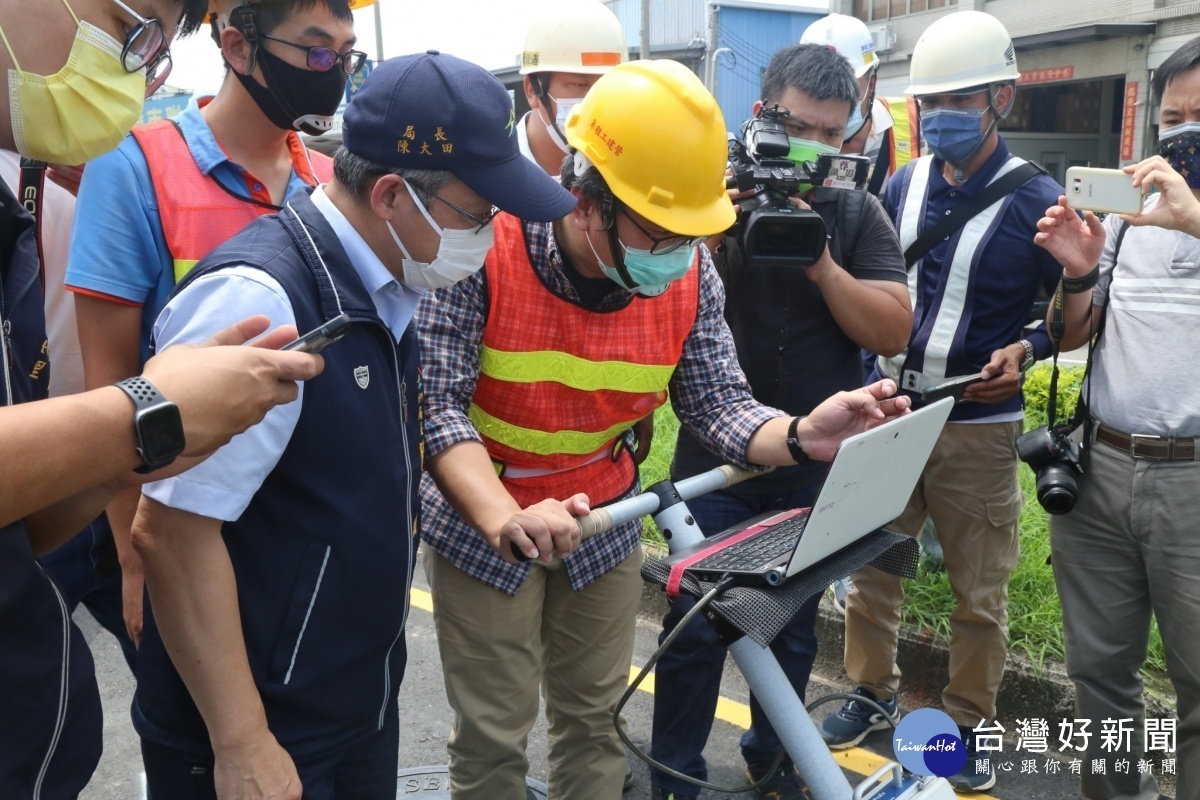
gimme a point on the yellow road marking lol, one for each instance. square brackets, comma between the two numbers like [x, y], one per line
[855, 759]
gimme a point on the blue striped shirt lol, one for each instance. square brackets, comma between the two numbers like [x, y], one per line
[709, 393]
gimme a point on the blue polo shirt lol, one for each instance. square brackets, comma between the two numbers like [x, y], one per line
[1011, 268]
[118, 250]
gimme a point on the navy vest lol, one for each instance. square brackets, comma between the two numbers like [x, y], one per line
[323, 554]
[50, 719]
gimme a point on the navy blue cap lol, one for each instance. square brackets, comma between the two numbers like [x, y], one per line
[435, 111]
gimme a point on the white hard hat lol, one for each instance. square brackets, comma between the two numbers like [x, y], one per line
[582, 36]
[849, 36]
[963, 50]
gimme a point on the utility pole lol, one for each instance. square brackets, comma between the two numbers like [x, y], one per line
[645, 37]
[378, 33]
[710, 55]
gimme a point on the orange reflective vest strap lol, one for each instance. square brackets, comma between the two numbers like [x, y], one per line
[196, 211]
[559, 384]
[905, 135]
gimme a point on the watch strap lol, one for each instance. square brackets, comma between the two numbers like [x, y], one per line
[1030, 354]
[793, 442]
[144, 396]
[140, 391]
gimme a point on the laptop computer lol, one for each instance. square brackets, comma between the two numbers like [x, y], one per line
[868, 485]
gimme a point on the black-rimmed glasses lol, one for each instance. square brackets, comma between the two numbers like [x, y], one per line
[146, 48]
[661, 245]
[323, 59]
[482, 222]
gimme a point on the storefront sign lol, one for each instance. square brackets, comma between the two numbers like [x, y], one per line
[1046, 75]
[1129, 120]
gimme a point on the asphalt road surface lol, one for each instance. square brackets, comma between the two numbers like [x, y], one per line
[426, 718]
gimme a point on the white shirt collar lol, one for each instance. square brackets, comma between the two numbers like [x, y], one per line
[394, 302]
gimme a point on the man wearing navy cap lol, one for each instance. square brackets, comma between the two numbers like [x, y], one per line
[278, 570]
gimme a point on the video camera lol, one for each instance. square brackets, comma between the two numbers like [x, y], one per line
[772, 231]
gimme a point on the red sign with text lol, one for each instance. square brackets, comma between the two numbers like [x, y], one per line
[1129, 120]
[1049, 75]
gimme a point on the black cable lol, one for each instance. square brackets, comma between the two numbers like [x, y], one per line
[858, 698]
[700, 605]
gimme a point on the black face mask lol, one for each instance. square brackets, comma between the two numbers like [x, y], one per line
[296, 98]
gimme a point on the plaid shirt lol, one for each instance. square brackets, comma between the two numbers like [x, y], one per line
[709, 393]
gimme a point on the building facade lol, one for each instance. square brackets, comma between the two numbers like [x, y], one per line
[1086, 68]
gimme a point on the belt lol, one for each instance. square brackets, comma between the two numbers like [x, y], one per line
[1154, 448]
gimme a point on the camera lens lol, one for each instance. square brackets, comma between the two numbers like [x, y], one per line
[1057, 489]
[1076, 188]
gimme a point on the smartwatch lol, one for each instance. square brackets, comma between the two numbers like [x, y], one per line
[156, 422]
[793, 442]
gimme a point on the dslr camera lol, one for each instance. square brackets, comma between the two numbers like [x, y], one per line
[772, 231]
[1054, 459]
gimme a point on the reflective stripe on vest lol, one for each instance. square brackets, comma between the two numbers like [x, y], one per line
[905, 139]
[559, 383]
[196, 211]
[577, 373]
[923, 363]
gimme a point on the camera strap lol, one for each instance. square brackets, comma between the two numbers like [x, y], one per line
[33, 189]
[882, 165]
[1057, 328]
[962, 214]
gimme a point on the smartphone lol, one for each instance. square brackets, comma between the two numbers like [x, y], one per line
[321, 337]
[955, 387]
[1105, 190]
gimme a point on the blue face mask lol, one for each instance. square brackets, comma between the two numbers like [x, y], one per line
[954, 135]
[651, 274]
[854, 124]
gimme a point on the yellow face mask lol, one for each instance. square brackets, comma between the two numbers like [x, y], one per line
[81, 111]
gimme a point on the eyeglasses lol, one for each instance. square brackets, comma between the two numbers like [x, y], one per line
[482, 222]
[661, 245]
[146, 48]
[323, 59]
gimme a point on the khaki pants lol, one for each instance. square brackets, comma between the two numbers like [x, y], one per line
[496, 650]
[969, 488]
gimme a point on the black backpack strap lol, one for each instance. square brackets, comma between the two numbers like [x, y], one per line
[850, 205]
[962, 214]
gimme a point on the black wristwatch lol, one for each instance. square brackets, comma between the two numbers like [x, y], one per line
[793, 442]
[156, 422]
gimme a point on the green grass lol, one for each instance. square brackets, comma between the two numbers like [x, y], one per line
[1034, 613]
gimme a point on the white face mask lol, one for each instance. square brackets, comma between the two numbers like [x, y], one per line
[560, 119]
[460, 254]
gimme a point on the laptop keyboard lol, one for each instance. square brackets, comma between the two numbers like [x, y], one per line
[757, 551]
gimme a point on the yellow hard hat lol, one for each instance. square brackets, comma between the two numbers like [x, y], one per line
[657, 137]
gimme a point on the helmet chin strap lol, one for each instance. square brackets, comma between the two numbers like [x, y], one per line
[618, 253]
[542, 92]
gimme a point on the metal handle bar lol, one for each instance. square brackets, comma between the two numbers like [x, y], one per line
[629, 509]
[609, 517]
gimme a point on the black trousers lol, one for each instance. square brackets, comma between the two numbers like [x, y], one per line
[362, 770]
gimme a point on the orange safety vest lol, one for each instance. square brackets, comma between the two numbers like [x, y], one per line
[904, 138]
[560, 385]
[196, 211]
